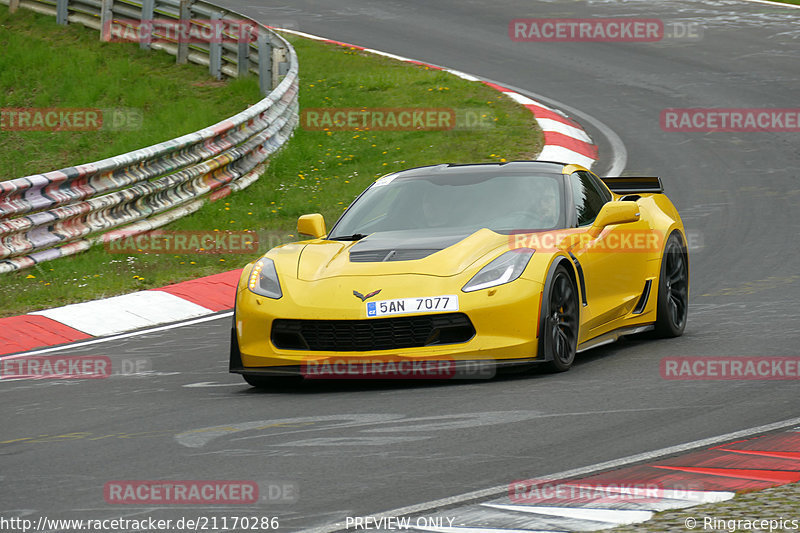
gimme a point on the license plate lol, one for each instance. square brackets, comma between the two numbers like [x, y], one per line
[412, 306]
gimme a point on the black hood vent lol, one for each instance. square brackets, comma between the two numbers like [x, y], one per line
[377, 256]
[401, 246]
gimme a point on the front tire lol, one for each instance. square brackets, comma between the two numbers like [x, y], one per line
[673, 289]
[558, 339]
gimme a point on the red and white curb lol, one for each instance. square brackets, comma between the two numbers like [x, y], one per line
[565, 141]
[620, 492]
[634, 494]
[118, 314]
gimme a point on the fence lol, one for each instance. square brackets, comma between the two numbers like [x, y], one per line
[63, 212]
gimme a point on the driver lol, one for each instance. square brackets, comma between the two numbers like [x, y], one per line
[544, 205]
[530, 203]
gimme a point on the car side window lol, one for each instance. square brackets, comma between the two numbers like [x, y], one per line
[587, 196]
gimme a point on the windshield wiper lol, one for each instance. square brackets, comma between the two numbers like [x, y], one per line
[353, 237]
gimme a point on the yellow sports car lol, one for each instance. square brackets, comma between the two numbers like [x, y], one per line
[434, 269]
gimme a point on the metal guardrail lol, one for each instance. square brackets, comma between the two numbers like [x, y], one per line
[63, 212]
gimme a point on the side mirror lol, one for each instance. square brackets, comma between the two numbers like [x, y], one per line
[615, 213]
[312, 225]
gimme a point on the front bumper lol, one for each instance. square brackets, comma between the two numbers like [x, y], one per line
[505, 320]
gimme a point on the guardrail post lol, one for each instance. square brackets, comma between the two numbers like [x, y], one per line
[264, 63]
[62, 12]
[279, 64]
[215, 47]
[106, 16]
[243, 53]
[183, 41]
[13, 5]
[146, 37]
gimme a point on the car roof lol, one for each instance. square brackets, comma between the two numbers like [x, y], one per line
[511, 167]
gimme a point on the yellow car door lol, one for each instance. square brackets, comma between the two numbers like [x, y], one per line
[611, 259]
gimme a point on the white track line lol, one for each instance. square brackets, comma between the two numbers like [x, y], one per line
[500, 490]
[480, 530]
[773, 4]
[609, 516]
[693, 496]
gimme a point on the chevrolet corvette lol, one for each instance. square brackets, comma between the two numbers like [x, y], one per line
[514, 263]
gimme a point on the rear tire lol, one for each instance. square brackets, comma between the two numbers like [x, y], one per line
[673, 289]
[558, 339]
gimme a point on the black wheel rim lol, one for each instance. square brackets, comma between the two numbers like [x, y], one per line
[563, 319]
[677, 285]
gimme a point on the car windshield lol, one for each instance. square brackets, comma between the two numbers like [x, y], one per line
[462, 202]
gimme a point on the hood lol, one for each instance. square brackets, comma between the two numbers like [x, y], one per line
[434, 253]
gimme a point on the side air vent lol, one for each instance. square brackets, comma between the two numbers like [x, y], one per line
[630, 198]
[642, 303]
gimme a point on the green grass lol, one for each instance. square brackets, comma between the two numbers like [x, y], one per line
[43, 65]
[318, 171]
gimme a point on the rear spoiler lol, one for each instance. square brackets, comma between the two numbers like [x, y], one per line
[633, 184]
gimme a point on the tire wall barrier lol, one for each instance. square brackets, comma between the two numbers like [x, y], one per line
[63, 212]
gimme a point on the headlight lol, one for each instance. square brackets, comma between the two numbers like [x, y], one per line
[504, 269]
[263, 279]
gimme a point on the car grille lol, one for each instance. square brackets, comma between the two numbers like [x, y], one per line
[372, 334]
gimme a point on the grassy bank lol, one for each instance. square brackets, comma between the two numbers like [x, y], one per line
[318, 171]
[44, 65]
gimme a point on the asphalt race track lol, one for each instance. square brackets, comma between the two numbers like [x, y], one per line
[341, 449]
